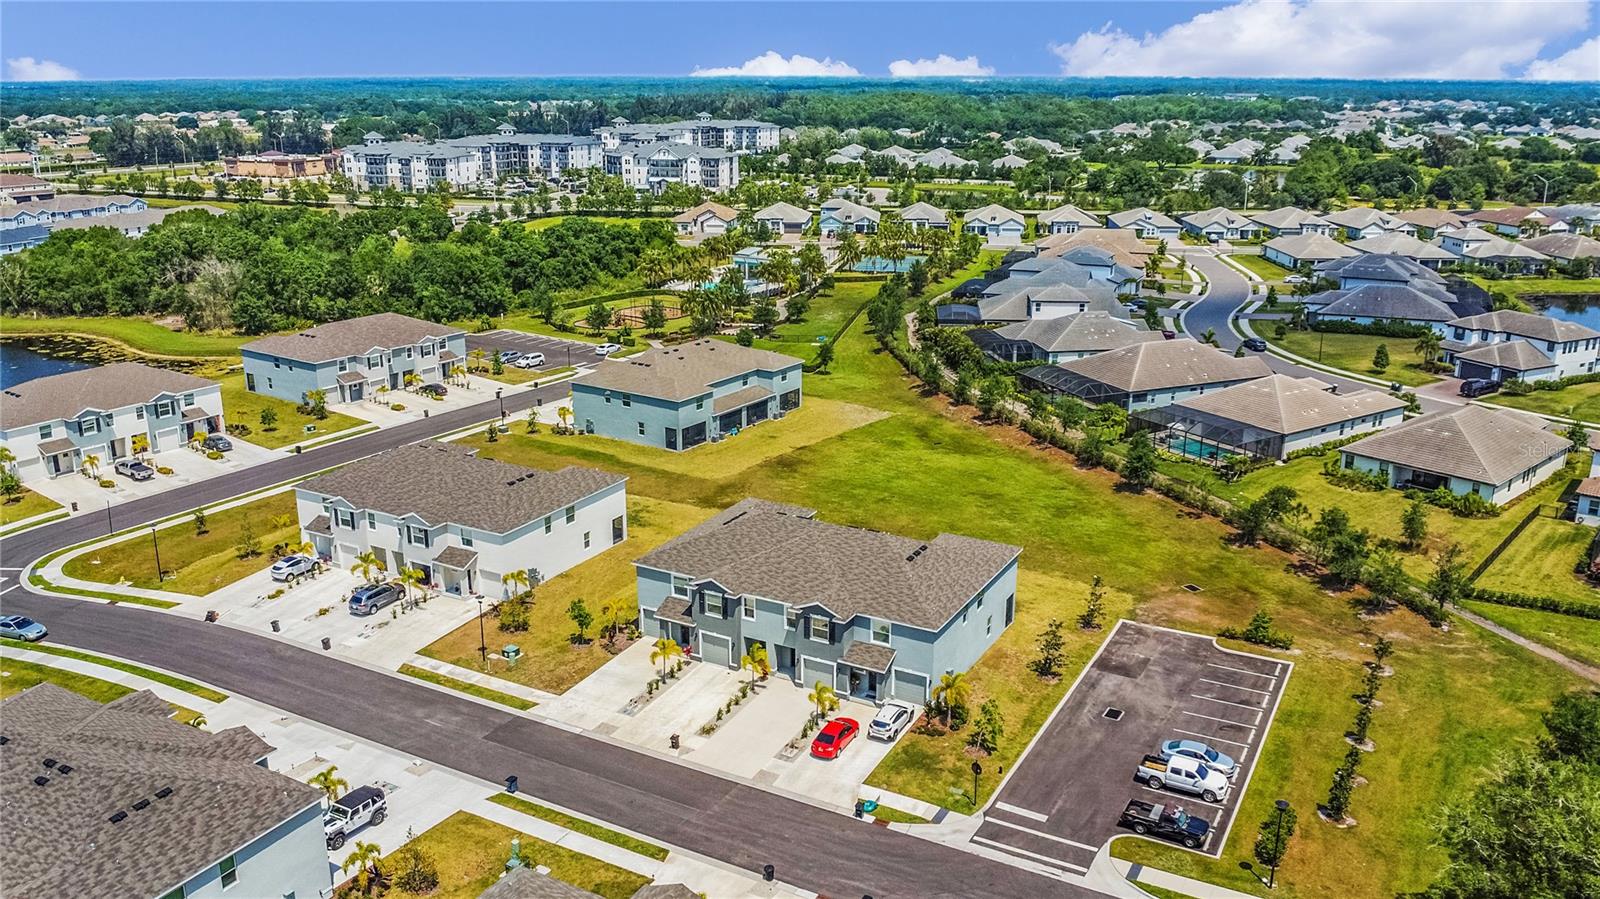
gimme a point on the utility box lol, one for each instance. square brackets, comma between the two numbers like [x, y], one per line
[511, 653]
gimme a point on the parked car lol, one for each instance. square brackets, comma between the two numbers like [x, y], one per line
[369, 599]
[21, 627]
[891, 720]
[134, 469]
[530, 360]
[835, 736]
[437, 391]
[1296, 279]
[509, 356]
[294, 566]
[1168, 334]
[606, 349]
[1169, 823]
[217, 442]
[1183, 774]
[1199, 751]
[353, 811]
[1478, 386]
[1256, 345]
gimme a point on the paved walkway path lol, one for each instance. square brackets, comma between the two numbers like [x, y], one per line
[1588, 672]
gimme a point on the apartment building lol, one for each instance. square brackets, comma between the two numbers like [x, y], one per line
[349, 360]
[652, 166]
[733, 135]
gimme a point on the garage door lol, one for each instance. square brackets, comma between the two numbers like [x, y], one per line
[716, 649]
[347, 554]
[167, 439]
[909, 685]
[813, 670]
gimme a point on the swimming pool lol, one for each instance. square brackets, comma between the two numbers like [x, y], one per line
[880, 266]
[1188, 446]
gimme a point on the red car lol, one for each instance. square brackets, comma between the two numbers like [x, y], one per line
[834, 738]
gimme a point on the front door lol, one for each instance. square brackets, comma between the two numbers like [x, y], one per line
[356, 391]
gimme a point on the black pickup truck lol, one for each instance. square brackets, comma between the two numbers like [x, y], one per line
[1168, 823]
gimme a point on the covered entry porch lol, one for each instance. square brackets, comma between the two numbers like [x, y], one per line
[672, 617]
[456, 570]
[866, 669]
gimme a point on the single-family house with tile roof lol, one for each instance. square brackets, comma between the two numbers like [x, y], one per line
[1269, 418]
[705, 220]
[464, 521]
[784, 218]
[1293, 250]
[1507, 345]
[996, 224]
[1393, 243]
[1431, 222]
[1067, 219]
[840, 215]
[1219, 223]
[876, 616]
[1147, 223]
[1149, 374]
[1059, 338]
[1494, 453]
[1477, 245]
[350, 360]
[1364, 221]
[925, 215]
[1565, 247]
[679, 397]
[1290, 220]
[1511, 221]
[51, 424]
[1009, 161]
[942, 158]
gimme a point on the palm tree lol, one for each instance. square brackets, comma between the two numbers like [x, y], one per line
[756, 661]
[952, 691]
[367, 564]
[565, 414]
[411, 380]
[7, 457]
[365, 860]
[476, 356]
[411, 579]
[330, 783]
[824, 697]
[91, 464]
[655, 268]
[848, 251]
[1210, 336]
[1427, 347]
[514, 579]
[665, 651]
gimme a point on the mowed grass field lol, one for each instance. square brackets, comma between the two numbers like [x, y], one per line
[1354, 352]
[924, 467]
[26, 505]
[1580, 401]
[1540, 562]
[142, 335]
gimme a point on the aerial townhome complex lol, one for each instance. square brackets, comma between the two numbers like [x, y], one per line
[351, 359]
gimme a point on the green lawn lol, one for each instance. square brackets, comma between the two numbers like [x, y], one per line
[17, 675]
[244, 407]
[551, 221]
[141, 335]
[159, 677]
[1520, 286]
[195, 565]
[1353, 352]
[1580, 401]
[1572, 636]
[579, 825]
[470, 854]
[1540, 562]
[510, 374]
[471, 689]
[1266, 269]
[26, 505]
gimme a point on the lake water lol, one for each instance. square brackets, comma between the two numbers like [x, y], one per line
[1584, 310]
[26, 358]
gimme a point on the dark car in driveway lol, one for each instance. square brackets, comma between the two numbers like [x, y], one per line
[217, 442]
[437, 391]
[1169, 823]
[1472, 387]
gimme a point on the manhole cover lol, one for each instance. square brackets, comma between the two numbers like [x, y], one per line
[1113, 713]
[1192, 588]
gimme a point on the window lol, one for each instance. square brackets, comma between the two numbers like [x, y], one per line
[880, 632]
[44, 432]
[749, 609]
[416, 536]
[175, 894]
[427, 349]
[572, 514]
[372, 521]
[627, 399]
[745, 382]
[138, 411]
[345, 518]
[700, 403]
[680, 585]
[988, 626]
[466, 539]
[344, 365]
[618, 530]
[230, 872]
[89, 426]
[818, 629]
[374, 361]
[712, 602]
[791, 618]
[641, 429]
[980, 600]
[586, 539]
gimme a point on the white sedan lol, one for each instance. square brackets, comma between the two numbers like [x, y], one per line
[606, 349]
[892, 720]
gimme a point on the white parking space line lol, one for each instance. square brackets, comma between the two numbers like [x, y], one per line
[1223, 683]
[1049, 860]
[10, 588]
[1249, 727]
[1039, 833]
[1241, 671]
[1008, 807]
[1188, 798]
[1210, 737]
[1239, 705]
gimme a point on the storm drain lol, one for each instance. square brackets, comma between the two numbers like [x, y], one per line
[1115, 714]
[1192, 588]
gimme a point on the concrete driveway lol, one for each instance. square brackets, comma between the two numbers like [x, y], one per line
[687, 703]
[187, 467]
[832, 782]
[758, 730]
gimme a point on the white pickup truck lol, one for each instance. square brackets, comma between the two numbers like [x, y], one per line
[1185, 775]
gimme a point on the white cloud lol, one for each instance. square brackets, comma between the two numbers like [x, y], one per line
[1335, 39]
[772, 64]
[940, 66]
[1581, 63]
[26, 68]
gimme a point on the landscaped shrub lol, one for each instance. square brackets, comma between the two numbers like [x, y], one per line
[238, 430]
[1259, 631]
[1376, 329]
[1466, 505]
[162, 469]
[397, 407]
[1353, 478]
[107, 483]
[213, 455]
[1554, 604]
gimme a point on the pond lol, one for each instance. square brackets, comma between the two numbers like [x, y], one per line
[880, 265]
[24, 358]
[1583, 308]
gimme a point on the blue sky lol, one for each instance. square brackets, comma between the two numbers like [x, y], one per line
[1264, 38]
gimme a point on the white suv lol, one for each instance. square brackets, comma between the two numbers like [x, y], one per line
[892, 720]
[531, 360]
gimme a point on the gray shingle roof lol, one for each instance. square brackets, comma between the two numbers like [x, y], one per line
[1399, 244]
[1013, 306]
[1517, 355]
[1476, 443]
[685, 371]
[1285, 405]
[1384, 301]
[1069, 213]
[920, 211]
[783, 553]
[1382, 266]
[1309, 247]
[1084, 332]
[443, 482]
[104, 388]
[1565, 246]
[787, 212]
[59, 839]
[351, 337]
[1526, 324]
[1141, 215]
[992, 214]
[526, 883]
[1286, 217]
[868, 656]
[1162, 364]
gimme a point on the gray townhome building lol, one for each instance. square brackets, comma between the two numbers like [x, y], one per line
[680, 397]
[875, 615]
[350, 359]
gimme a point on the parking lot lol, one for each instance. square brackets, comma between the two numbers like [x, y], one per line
[1146, 685]
[558, 352]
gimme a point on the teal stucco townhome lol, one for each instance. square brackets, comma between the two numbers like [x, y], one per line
[680, 397]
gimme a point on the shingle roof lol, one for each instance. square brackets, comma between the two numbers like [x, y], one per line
[1068, 213]
[1125, 245]
[782, 553]
[1565, 246]
[1496, 247]
[1013, 306]
[458, 557]
[142, 219]
[1398, 244]
[664, 891]
[1217, 215]
[787, 212]
[1141, 215]
[1588, 487]
[1084, 332]
[443, 482]
[1286, 217]
[920, 211]
[59, 839]
[1509, 215]
[1383, 301]
[1526, 324]
[351, 337]
[1473, 442]
[1430, 218]
[1285, 405]
[847, 211]
[1380, 266]
[993, 213]
[684, 371]
[740, 398]
[526, 883]
[104, 388]
[1362, 217]
[720, 211]
[1166, 363]
[1516, 355]
[1309, 247]
[868, 656]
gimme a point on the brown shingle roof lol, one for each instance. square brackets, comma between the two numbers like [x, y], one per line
[442, 482]
[868, 656]
[683, 372]
[1285, 405]
[105, 388]
[1588, 487]
[526, 883]
[782, 553]
[59, 839]
[740, 398]
[1517, 355]
[457, 557]
[717, 209]
[1157, 365]
[1565, 246]
[1470, 442]
[351, 337]
[1084, 332]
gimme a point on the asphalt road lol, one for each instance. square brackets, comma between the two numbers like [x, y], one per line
[1063, 798]
[738, 824]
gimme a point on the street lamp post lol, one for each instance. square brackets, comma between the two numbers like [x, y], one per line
[157, 544]
[483, 642]
[1277, 843]
[1546, 186]
[497, 392]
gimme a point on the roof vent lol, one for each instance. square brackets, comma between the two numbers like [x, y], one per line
[64, 769]
[119, 816]
[4, 740]
[41, 780]
[141, 805]
[164, 792]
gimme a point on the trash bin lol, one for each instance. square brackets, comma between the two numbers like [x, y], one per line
[327, 643]
[674, 741]
[275, 627]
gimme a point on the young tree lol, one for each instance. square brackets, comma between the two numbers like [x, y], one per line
[1573, 725]
[1272, 837]
[329, 782]
[1347, 556]
[989, 729]
[1380, 358]
[796, 307]
[581, 618]
[1578, 434]
[1094, 611]
[10, 485]
[1265, 511]
[825, 357]
[269, 419]
[1385, 578]
[1448, 584]
[764, 315]
[249, 545]
[199, 518]
[1051, 655]
[1139, 468]
[1414, 524]
[599, 316]
[655, 316]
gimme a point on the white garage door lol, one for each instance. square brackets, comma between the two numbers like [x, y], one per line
[167, 439]
[716, 649]
[813, 670]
